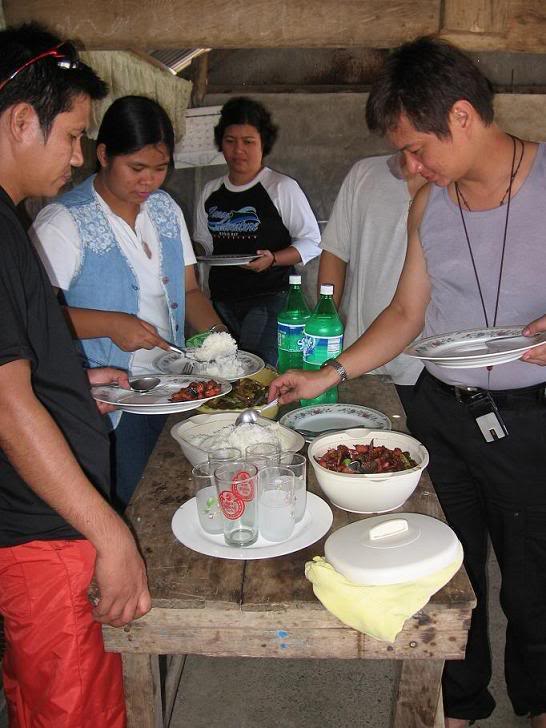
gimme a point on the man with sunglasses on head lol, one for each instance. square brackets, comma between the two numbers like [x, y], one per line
[57, 530]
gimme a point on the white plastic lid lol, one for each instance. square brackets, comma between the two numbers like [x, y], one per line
[326, 289]
[392, 549]
[294, 280]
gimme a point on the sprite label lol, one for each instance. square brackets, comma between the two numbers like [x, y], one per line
[290, 337]
[318, 349]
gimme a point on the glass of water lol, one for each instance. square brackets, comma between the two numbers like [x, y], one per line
[277, 507]
[208, 510]
[224, 454]
[297, 463]
[236, 486]
[263, 450]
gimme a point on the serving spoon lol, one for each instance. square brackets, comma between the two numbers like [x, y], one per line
[144, 384]
[250, 416]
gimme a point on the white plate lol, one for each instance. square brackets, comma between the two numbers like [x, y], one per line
[155, 402]
[225, 260]
[475, 347]
[171, 363]
[335, 416]
[314, 524]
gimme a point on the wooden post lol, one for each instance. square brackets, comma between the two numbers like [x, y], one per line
[199, 73]
[142, 691]
[418, 695]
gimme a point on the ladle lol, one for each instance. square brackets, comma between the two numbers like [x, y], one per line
[250, 416]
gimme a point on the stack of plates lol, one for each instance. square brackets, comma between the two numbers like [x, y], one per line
[475, 347]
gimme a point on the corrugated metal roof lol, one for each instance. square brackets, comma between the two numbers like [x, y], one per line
[178, 59]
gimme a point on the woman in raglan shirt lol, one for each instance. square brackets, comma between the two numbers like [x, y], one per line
[253, 209]
[119, 249]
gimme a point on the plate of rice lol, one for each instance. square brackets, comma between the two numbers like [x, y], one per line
[217, 356]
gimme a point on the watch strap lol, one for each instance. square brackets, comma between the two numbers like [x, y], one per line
[338, 366]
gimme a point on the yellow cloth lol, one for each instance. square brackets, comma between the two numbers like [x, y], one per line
[379, 611]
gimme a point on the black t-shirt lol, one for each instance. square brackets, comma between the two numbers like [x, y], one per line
[244, 222]
[33, 328]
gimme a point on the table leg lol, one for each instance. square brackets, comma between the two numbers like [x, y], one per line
[175, 667]
[418, 695]
[142, 690]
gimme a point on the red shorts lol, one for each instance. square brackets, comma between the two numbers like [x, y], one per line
[56, 672]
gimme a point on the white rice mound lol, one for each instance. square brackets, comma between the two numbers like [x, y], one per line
[241, 437]
[218, 356]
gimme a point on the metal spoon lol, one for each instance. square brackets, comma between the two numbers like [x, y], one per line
[250, 416]
[316, 433]
[144, 384]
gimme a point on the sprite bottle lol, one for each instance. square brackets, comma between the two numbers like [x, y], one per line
[323, 340]
[290, 326]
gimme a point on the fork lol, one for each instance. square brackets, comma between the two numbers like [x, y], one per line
[187, 368]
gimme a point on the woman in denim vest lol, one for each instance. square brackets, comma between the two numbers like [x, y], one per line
[119, 249]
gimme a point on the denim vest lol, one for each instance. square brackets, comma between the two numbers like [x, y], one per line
[105, 279]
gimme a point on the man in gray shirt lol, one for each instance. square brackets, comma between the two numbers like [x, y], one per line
[476, 257]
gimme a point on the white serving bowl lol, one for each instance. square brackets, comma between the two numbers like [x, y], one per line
[376, 493]
[207, 424]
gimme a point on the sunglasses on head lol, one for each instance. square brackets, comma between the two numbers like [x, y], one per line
[64, 54]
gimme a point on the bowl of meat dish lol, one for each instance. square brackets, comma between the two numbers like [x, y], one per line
[201, 433]
[367, 471]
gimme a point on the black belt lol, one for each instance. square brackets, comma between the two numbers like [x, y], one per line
[462, 393]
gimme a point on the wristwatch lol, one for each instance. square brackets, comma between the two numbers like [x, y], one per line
[338, 366]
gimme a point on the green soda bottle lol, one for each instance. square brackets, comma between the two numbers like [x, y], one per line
[290, 326]
[323, 340]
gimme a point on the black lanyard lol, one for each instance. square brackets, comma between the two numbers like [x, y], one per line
[512, 175]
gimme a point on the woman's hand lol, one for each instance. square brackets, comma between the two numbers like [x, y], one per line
[537, 355]
[131, 333]
[264, 262]
[107, 375]
[298, 384]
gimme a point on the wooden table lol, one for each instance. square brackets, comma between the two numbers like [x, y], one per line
[208, 606]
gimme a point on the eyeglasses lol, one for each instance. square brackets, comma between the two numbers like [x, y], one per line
[64, 53]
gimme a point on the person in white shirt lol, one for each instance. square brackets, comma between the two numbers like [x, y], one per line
[253, 210]
[363, 250]
[119, 250]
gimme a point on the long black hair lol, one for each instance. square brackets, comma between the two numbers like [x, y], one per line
[134, 122]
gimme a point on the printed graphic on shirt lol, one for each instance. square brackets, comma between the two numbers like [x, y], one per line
[223, 223]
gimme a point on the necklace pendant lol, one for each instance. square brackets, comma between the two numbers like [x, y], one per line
[147, 250]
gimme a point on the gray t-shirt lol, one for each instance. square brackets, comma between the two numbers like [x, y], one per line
[367, 230]
[455, 301]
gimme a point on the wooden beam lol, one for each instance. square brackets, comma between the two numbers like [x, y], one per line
[125, 24]
[496, 25]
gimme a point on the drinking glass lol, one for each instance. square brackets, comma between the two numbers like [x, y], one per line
[208, 509]
[277, 507]
[297, 463]
[236, 485]
[261, 450]
[224, 455]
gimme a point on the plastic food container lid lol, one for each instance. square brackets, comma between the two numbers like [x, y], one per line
[392, 549]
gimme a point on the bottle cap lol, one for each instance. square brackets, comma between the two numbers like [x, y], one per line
[294, 280]
[326, 289]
